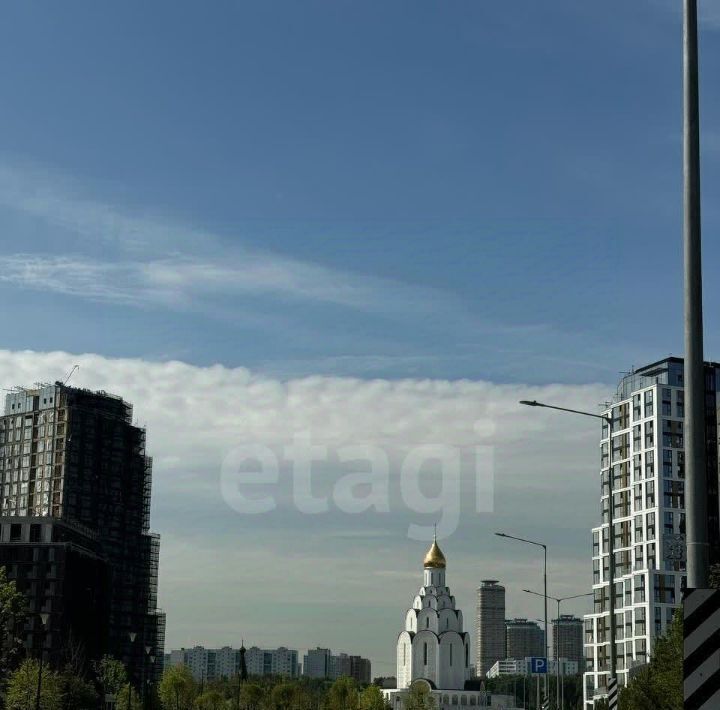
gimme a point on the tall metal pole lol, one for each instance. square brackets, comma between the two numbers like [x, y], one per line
[611, 550]
[556, 633]
[695, 470]
[547, 648]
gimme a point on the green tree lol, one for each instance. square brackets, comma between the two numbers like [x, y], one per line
[22, 688]
[419, 698]
[282, 696]
[77, 693]
[177, 689]
[12, 604]
[127, 698]
[372, 699]
[111, 675]
[343, 695]
[251, 696]
[210, 700]
[659, 685]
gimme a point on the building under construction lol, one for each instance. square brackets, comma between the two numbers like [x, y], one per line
[75, 527]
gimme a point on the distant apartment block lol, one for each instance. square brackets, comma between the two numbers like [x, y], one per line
[524, 639]
[207, 664]
[567, 634]
[321, 663]
[490, 626]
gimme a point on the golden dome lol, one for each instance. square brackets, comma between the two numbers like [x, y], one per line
[434, 557]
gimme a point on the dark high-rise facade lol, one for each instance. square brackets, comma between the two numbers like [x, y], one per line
[524, 639]
[568, 639]
[75, 526]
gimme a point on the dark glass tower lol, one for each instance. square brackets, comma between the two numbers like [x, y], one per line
[75, 526]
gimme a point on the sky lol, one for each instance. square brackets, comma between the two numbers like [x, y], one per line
[373, 224]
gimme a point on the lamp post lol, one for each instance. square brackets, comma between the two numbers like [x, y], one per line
[695, 469]
[44, 618]
[132, 636]
[146, 676]
[559, 600]
[544, 547]
[611, 525]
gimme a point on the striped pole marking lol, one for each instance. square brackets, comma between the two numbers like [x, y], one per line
[612, 693]
[701, 629]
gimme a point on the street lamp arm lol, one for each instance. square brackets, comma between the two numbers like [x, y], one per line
[522, 539]
[533, 403]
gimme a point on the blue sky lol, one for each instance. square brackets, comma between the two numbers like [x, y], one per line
[504, 179]
[319, 191]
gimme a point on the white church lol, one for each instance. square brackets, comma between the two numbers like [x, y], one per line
[434, 650]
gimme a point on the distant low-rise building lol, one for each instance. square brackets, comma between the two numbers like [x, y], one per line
[523, 666]
[211, 664]
[321, 663]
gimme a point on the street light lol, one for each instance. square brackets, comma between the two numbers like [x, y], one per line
[146, 680]
[132, 636]
[544, 547]
[44, 618]
[611, 532]
[560, 703]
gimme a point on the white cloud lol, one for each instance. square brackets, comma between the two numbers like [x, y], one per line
[289, 569]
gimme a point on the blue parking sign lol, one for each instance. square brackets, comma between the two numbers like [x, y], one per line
[538, 665]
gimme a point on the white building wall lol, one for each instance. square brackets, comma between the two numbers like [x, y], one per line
[649, 506]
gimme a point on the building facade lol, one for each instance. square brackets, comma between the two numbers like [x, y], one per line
[523, 666]
[75, 485]
[525, 639]
[490, 626]
[277, 661]
[567, 633]
[649, 516]
[321, 663]
[207, 664]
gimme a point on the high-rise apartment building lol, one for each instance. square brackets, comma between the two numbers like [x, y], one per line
[524, 639]
[208, 664]
[321, 663]
[649, 516]
[316, 663]
[567, 634]
[277, 661]
[490, 626]
[75, 485]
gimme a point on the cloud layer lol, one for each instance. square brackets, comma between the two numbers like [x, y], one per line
[272, 578]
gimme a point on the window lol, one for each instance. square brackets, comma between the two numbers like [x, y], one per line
[651, 555]
[637, 406]
[637, 467]
[669, 525]
[638, 528]
[649, 464]
[674, 494]
[425, 653]
[649, 403]
[637, 497]
[667, 463]
[451, 649]
[639, 588]
[15, 532]
[649, 434]
[596, 544]
[640, 621]
[650, 526]
[650, 494]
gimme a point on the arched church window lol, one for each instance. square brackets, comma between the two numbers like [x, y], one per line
[467, 651]
[451, 654]
[427, 622]
[425, 653]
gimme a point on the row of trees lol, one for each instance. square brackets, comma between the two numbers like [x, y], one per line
[179, 691]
